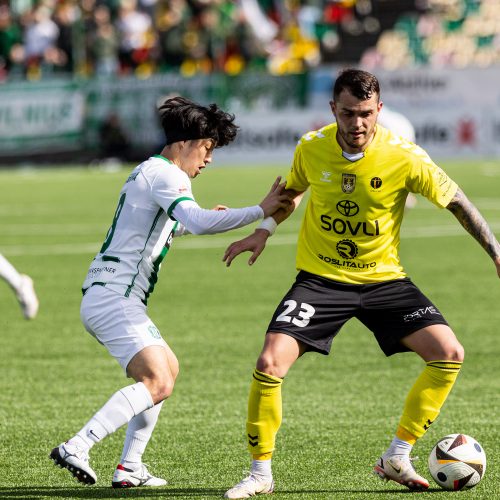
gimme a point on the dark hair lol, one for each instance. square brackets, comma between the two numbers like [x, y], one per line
[360, 84]
[183, 120]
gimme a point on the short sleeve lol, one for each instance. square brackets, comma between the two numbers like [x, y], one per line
[296, 178]
[429, 180]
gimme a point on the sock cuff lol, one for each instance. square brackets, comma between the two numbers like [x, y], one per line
[406, 436]
[452, 366]
[138, 397]
[266, 379]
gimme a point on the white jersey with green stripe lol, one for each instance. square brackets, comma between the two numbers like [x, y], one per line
[142, 229]
[155, 203]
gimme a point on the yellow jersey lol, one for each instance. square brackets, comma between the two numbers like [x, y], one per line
[350, 231]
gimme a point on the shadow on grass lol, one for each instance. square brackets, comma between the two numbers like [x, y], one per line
[346, 492]
[22, 493]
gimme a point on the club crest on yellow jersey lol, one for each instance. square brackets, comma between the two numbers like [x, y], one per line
[348, 183]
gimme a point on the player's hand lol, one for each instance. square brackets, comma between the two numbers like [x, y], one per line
[275, 199]
[220, 207]
[254, 243]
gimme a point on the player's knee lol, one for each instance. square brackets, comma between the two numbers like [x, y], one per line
[164, 389]
[452, 352]
[160, 387]
[267, 363]
[456, 353]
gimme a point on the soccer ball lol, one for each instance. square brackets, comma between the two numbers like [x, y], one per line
[457, 462]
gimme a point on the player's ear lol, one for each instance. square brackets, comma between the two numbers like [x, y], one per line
[332, 107]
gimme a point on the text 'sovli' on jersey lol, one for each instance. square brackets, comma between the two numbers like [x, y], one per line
[142, 229]
[350, 230]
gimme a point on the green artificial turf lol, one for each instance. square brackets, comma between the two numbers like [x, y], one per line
[340, 411]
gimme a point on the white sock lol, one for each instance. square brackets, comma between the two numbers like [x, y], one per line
[262, 468]
[399, 447]
[139, 432]
[9, 273]
[120, 408]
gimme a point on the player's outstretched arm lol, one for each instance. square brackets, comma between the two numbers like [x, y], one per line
[256, 242]
[182, 230]
[276, 199]
[475, 224]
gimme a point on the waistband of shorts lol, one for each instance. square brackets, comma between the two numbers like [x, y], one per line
[119, 289]
[305, 275]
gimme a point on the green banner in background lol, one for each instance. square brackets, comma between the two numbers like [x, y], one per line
[38, 118]
[66, 116]
[135, 101]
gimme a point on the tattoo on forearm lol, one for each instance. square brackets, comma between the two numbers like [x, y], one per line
[473, 222]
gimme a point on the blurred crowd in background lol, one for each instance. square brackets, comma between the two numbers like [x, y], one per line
[86, 38]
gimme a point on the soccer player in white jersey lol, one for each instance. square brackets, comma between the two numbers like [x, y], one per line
[359, 175]
[155, 204]
[22, 286]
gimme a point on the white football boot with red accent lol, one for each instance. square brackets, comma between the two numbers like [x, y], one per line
[129, 478]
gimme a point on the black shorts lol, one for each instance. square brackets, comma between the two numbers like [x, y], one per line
[315, 308]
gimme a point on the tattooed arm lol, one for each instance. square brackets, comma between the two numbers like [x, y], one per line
[473, 222]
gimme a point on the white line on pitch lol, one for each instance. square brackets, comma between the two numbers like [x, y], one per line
[207, 242]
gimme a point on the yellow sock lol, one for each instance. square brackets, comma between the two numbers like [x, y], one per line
[426, 397]
[264, 414]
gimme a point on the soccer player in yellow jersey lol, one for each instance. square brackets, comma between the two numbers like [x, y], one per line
[359, 175]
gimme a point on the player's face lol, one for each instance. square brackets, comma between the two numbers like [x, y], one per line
[356, 120]
[195, 156]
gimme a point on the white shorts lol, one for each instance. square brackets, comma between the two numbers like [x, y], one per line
[119, 323]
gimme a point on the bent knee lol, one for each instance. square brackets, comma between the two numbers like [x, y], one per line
[163, 390]
[160, 387]
[450, 352]
[166, 389]
[266, 363]
[455, 353]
